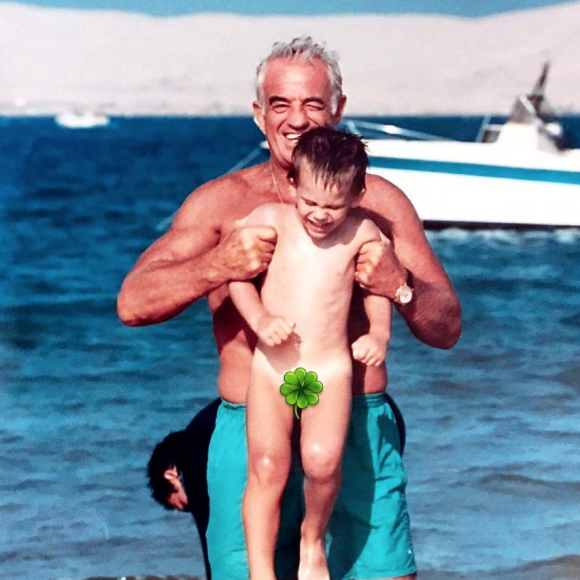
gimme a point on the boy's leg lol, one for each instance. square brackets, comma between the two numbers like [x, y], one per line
[323, 433]
[226, 475]
[269, 430]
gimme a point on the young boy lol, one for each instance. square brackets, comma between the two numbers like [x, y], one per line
[300, 320]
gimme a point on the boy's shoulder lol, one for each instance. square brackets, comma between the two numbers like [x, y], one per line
[365, 228]
[268, 214]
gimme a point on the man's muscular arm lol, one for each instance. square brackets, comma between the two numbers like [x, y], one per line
[434, 314]
[189, 260]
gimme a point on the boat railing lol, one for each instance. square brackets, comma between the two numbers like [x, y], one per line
[483, 129]
[363, 127]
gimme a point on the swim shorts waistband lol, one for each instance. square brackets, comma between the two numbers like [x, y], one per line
[233, 406]
[358, 402]
[369, 400]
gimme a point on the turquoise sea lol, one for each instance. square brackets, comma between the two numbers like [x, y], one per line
[493, 425]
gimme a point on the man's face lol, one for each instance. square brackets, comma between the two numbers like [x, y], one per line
[321, 210]
[297, 97]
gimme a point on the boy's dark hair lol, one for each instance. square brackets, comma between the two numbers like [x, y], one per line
[336, 159]
[166, 454]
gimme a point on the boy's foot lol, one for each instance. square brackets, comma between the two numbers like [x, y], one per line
[313, 564]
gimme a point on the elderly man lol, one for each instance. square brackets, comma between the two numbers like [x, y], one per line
[299, 86]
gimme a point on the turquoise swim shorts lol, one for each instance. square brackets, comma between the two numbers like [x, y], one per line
[369, 534]
[226, 480]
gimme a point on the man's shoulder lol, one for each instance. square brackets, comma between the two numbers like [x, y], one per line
[223, 199]
[389, 207]
[381, 190]
[232, 185]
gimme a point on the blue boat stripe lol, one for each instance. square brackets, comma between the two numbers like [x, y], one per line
[475, 169]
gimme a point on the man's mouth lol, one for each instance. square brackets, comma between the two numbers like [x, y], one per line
[292, 137]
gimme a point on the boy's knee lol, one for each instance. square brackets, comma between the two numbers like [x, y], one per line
[320, 464]
[269, 469]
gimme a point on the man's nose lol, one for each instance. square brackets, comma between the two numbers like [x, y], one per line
[297, 118]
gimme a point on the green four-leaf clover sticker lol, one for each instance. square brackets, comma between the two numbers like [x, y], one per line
[300, 389]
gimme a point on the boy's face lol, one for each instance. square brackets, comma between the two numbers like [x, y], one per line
[321, 210]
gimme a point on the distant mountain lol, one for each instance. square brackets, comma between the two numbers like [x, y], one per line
[122, 63]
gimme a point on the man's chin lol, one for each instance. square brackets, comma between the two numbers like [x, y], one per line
[282, 155]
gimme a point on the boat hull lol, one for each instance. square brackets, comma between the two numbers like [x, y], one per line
[465, 193]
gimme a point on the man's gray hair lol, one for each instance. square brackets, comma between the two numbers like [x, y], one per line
[303, 49]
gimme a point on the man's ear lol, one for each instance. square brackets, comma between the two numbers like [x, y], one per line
[259, 117]
[172, 476]
[337, 117]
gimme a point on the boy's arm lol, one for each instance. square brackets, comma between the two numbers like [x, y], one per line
[371, 348]
[434, 313]
[247, 300]
[270, 329]
[379, 312]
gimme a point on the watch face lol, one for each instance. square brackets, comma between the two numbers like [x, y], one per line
[404, 294]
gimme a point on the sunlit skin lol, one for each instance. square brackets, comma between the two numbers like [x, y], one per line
[301, 321]
[206, 247]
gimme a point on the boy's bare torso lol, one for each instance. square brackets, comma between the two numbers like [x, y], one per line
[310, 283]
[235, 341]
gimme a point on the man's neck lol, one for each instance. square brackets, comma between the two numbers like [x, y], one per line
[280, 183]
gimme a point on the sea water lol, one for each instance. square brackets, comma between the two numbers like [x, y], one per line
[493, 424]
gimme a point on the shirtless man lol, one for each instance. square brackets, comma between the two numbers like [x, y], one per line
[300, 319]
[298, 87]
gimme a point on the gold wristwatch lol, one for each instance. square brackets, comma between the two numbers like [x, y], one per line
[404, 293]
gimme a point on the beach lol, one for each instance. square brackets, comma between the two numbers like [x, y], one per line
[55, 60]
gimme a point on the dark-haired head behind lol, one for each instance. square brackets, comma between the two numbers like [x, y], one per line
[177, 472]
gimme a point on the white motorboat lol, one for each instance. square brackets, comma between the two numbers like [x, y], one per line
[81, 119]
[520, 174]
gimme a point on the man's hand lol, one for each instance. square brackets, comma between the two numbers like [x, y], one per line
[274, 330]
[247, 251]
[378, 269]
[369, 349]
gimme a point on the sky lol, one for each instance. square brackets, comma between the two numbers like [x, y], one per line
[471, 8]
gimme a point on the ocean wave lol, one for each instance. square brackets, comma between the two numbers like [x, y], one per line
[505, 236]
[516, 484]
[561, 568]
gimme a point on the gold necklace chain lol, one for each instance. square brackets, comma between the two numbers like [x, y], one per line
[275, 183]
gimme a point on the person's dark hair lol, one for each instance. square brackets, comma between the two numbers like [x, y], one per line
[336, 159]
[166, 454]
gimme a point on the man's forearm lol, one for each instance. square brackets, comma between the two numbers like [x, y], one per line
[434, 314]
[161, 289]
